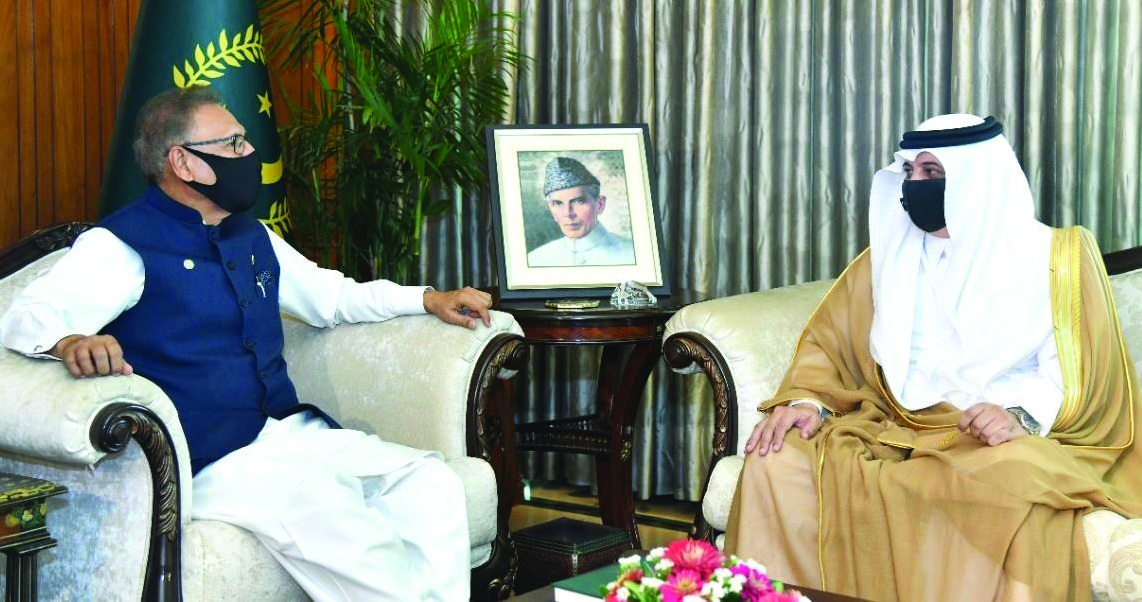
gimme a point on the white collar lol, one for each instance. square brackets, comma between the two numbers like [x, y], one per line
[595, 238]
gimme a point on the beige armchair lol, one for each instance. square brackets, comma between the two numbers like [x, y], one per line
[123, 527]
[744, 344]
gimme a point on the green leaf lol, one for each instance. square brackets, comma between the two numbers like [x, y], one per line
[437, 208]
[189, 70]
[212, 74]
[403, 117]
[198, 56]
[231, 60]
[223, 41]
[250, 33]
[179, 80]
[647, 569]
[210, 50]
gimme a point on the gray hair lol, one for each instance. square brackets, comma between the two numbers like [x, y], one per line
[163, 122]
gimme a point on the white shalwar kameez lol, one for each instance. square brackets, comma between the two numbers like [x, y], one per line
[349, 516]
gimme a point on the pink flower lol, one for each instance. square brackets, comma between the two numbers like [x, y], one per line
[681, 584]
[694, 555]
[635, 575]
[756, 585]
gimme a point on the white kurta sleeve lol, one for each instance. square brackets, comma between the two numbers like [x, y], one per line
[99, 278]
[322, 297]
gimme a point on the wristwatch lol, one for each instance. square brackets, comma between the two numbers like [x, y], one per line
[1028, 423]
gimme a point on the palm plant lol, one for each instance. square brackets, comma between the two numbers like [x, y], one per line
[398, 118]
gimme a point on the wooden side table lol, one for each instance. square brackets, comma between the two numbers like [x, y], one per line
[24, 531]
[608, 433]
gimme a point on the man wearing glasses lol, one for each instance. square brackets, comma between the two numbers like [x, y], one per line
[186, 288]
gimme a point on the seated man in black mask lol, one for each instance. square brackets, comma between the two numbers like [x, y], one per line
[185, 288]
[959, 400]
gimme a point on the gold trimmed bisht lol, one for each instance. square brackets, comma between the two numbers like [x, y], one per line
[910, 509]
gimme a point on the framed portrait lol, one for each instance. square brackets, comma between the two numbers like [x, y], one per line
[574, 211]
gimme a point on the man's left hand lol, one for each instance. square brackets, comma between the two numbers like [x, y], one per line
[991, 424]
[459, 307]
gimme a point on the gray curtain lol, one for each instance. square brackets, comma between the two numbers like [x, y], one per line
[768, 119]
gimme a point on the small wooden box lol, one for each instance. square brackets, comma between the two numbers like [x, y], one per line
[564, 548]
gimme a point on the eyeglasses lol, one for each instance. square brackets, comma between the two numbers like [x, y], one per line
[236, 143]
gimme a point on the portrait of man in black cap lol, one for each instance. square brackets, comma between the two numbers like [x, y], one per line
[573, 196]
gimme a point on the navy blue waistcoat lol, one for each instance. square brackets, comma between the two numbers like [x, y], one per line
[204, 330]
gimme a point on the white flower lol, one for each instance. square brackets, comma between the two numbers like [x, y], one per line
[656, 553]
[712, 590]
[693, 598]
[652, 583]
[612, 585]
[757, 566]
[723, 574]
[622, 593]
[664, 565]
[630, 562]
[736, 587]
[739, 579]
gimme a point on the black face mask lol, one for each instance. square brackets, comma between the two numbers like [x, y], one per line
[924, 202]
[239, 179]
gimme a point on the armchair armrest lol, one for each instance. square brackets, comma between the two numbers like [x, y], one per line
[744, 344]
[420, 382]
[409, 379]
[71, 423]
[48, 415]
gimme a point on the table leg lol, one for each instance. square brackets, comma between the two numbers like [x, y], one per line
[21, 576]
[619, 406]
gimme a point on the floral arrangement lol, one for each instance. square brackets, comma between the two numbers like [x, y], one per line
[694, 571]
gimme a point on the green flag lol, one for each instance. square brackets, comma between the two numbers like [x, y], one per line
[215, 43]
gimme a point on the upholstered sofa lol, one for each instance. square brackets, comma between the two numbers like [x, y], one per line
[115, 442]
[744, 344]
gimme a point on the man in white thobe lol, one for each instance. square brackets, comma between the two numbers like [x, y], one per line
[185, 288]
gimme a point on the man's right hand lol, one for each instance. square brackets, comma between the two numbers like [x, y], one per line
[769, 434]
[96, 355]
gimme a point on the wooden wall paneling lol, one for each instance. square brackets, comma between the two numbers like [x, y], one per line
[108, 87]
[9, 128]
[42, 109]
[93, 74]
[66, 147]
[118, 32]
[26, 114]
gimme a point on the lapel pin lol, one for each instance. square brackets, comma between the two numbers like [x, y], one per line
[188, 264]
[262, 279]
